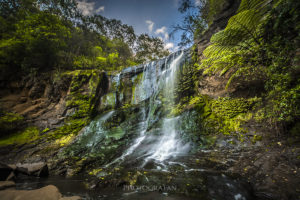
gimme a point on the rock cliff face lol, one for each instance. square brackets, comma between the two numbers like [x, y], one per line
[43, 101]
[40, 115]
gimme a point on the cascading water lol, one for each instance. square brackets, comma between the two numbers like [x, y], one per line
[139, 133]
[169, 143]
[166, 143]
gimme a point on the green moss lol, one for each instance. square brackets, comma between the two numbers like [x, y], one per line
[229, 108]
[10, 121]
[126, 106]
[81, 103]
[26, 136]
[82, 92]
[227, 115]
[116, 133]
[45, 130]
[256, 138]
[223, 115]
[70, 127]
[95, 171]
[64, 140]
[82, 77]
[83, 87]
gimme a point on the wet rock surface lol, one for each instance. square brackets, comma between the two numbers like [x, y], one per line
[137, 150]
[39, 169]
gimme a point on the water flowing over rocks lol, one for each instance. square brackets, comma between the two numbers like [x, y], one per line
[136, 142]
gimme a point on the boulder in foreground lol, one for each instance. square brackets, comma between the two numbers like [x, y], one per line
[49, 192]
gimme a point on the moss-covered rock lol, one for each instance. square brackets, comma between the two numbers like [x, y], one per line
[9, 122]
[227, 115]
[25, 136]
[223, 115]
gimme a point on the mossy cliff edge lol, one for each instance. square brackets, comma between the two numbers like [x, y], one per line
[50, 111]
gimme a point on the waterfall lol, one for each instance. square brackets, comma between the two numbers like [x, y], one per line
[138, 141]
[154, 137]
[169, 143]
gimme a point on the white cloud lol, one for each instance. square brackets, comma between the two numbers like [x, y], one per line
[162, 34]
[150, 25]
[88, 8]
[169, 45]
[162, 31]
[100, 9]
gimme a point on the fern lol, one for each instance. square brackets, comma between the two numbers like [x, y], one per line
[254, 4]
[241, 34]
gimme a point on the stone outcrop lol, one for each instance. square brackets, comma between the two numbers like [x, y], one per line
[39, 169]
[42, 100]
[9, 172]
[49, 192]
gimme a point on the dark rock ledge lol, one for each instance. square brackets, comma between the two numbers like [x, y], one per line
[40, 169]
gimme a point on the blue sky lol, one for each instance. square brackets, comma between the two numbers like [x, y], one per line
[154, 17]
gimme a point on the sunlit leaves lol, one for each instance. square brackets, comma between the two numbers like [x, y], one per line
[149, 48]
[241, 34]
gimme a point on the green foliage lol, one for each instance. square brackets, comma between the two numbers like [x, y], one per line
[212, 9]
[37, 35]
[236, 40]
[226, 115]
[185, 86]
[35, 43]
[149, 48]
[230, 108]
[193, 24]
[104, 60]
[259, 43]
[82, 62]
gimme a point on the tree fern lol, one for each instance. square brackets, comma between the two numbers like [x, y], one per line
[241, 34]
[253, 4]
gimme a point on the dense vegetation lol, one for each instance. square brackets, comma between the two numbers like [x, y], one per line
[42, 35]
[259, 51]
